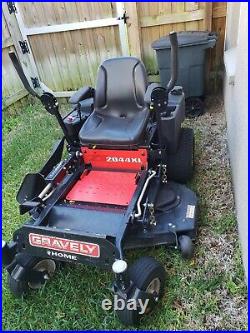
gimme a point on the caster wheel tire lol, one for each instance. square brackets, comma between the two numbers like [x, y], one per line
[18, 288]
[194, 107]
[186, 246]
[149, 275]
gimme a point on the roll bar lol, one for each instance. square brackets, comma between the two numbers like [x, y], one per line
[20, 72]
[173, 61]
[48, 99]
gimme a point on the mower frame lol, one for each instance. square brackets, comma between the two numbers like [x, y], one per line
[56, 229]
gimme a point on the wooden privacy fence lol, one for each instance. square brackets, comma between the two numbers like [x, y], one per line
[62, 43]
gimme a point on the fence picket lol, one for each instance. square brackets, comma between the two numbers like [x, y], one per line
[69, 40]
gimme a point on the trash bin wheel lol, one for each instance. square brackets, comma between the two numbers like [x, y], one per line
[194, 107]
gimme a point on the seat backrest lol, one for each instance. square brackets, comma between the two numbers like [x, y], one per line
[120, 87]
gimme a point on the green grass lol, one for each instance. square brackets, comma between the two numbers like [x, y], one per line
[195, 292]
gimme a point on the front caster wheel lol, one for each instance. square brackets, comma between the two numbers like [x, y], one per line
[148, 275]
[186, 246]
[17, 287]
[20, 288]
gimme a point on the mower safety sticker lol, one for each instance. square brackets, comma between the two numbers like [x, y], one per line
[65, 245]
[190, 212]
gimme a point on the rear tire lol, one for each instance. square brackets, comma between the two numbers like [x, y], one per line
[180, 165]
[146, 273]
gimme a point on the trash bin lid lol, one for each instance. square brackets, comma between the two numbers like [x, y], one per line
[185, 38]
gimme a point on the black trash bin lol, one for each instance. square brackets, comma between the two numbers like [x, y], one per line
[191, 72]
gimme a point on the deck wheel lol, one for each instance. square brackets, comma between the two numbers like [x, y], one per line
[186, 246]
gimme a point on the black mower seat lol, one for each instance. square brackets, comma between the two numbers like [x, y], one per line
[120, 114]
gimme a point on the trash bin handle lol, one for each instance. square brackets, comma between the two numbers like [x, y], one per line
[211, 43]
[213, 35]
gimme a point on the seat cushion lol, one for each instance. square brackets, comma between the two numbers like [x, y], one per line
[110, 131]
[120, 113]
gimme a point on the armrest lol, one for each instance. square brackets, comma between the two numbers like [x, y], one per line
[81, 94]
[150, 88]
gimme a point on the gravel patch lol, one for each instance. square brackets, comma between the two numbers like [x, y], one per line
[218, 247]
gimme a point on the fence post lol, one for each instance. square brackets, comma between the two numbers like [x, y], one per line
[134, 30]
[207, 25]
[123, 32]
[17, 30]
[208, 9]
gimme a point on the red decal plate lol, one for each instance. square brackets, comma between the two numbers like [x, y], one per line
[134, 160]
[65, 245]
